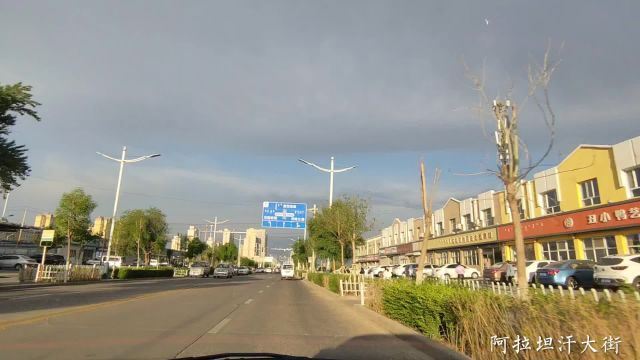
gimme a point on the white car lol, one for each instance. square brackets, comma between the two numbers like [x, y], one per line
[400, 270]
[287, 272]
[448, 271]
[616, 270]
[16, 261]
[429, 270]
[532, 266]
[268, 270]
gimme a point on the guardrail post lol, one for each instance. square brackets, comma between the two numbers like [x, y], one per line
[551, 289]
[341, 290]
[362, 293]
[561, 291]
[543, 290]
[493, 287]
[595, 295]
[622, 296]
[637, 295]
[571, 294]
[607, 294]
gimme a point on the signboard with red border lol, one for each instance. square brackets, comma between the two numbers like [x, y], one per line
[620, 215]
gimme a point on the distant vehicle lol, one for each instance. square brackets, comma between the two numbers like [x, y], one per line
[401, 270]
[448, 271]
[49, 259]
[568, 273]
[118, 261]
[496, 272]
[223, 271]
[93, 262]
[617, 270]
[201, 269]
[259, 270]
[154, 262]
[378, 270]
[17, 261]
[243, 270]
[532, 266]
[287, 272]
[268, 270]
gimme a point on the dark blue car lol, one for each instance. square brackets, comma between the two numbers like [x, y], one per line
[569, 273]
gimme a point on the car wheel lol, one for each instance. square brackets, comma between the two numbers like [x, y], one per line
[18, 267]
[475, 275]
[636, 283]
[572, 283]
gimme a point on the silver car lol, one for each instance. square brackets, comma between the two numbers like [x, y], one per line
[223, 270]
[16, 261]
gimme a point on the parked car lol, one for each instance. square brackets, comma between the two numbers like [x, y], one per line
[410, 271]
[16, 261]
[399, 270]
[617, 270]
[532, 267]
[201, 269]
[568, 273]
[448, 271]
[118, 261]
[287, 272]
[268, 270]
[430, 269]
[93, 262]
[259, 270]
[223, 271]
[377, 271]
[496, 272]
[49, 259]
[243, 270]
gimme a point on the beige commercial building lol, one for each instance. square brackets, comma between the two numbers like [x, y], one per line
[254, 245]
[43, 221]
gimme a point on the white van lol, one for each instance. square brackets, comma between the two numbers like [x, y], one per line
[287, 272]
[118, 261]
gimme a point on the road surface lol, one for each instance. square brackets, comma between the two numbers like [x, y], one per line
[173, 318]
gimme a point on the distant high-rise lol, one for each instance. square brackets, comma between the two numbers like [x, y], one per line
[101, 226]
[192, 232]
[44, 220]
[254, 245]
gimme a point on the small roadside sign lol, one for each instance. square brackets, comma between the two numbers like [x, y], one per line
[47, 237]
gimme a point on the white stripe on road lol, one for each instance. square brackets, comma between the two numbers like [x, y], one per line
[260, 291]
[248, 302]
[268, 285]
[220, 325]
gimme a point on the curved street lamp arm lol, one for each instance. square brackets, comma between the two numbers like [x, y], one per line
[314, 165]
[142, 158]
[345, 169]
[108, 157]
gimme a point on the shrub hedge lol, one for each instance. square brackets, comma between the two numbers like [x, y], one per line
[143, 272]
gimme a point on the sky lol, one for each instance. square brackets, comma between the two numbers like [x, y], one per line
[232, 93]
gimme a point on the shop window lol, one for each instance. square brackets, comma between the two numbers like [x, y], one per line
[551, 204]
[439, 229]
[468, 225]
[559, 250]
[487, 217]
[590, 192]
[491, 255]
[529, 252]
[470, 257]
[454, 256]
[520, 209]
[453, 226]
[634, 244]
[596, 248]
[634, 182]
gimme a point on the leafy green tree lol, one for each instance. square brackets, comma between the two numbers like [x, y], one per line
[195, 248]
[358, 221]
[143, 230]
[244, 261]
[300, 253]
[226, 252]
[15, 100]
[73, 219]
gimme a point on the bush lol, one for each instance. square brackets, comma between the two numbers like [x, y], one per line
[143, 272]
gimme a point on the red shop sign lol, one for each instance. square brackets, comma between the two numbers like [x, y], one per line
[606, 217]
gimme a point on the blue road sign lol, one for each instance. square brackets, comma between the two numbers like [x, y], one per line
[284, 215]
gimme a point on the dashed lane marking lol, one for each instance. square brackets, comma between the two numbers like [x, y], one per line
[248, 302]
[219, 326]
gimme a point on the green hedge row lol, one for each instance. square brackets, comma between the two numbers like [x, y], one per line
[143, 272]
[428, 308]
[329, 281]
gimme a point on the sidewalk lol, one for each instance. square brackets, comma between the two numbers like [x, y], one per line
[412, 338]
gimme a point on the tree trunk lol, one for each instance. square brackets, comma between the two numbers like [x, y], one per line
[426, 224]
[341, 254]
[353, 251]
[523, 285]
[68, 246]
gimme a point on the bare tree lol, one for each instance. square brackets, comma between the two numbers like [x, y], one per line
[427, 207]
[507, 117]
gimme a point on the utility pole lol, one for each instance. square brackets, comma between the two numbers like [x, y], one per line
[215, 223]
[4, 208]
[24, 216]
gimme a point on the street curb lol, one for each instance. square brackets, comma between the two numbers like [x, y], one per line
[442, 351]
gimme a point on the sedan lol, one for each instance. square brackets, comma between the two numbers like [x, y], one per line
[17, 261]
[201, 269]
[496, 272]
[448, 271]
[243, 270]
[569, 273]
[223, 270]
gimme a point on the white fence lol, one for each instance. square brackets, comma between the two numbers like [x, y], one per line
[355, 285]
[58, 273]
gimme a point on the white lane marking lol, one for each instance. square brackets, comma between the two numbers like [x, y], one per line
[268, 285]
[248, 302]
[260, 291]
[220, 325]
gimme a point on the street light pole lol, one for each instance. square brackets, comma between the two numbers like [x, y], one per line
[6, 200]
[331, 171]
[122, 161]
[215, 227]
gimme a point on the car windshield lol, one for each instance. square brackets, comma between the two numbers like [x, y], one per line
[608, 261]
[556, 265]
[287, 267]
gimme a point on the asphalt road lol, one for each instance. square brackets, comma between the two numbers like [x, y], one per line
[169, 318]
